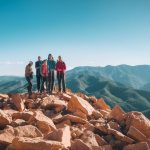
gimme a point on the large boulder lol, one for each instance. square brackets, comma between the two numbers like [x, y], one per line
[136, 134]
[120, 136]
[72, 118]
[4, 96]
[100, 104]
[7, 135]
[89, 139]
[62, 135]
[117, 113]
[52, 102]
[77, 103]
[79, 145]
[18, 102]
[44, 123]
[5, 119]
[139, 121]
[22, 143]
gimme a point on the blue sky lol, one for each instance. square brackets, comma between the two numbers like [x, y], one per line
[84, 32]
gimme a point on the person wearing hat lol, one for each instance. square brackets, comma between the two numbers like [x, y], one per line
[29, 77]
[44, 74]
[38, 64]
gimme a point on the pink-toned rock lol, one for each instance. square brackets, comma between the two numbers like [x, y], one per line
[93, 99]
[16, 98]
[22, 115]
[5, 119]
[136, 134]
[4, 96]
[117, 113]
[27, 131]
[23, 143]
[78, 103]
[18, 122]
[66, 97]
[101, 104]
[138, 146]
[139, 121]
[72, 118]
[61, 135]
[7, 135]
[89, 139]
[63, 124]
[44, 123]
[105, 113]
[80, 114]
[52, 102]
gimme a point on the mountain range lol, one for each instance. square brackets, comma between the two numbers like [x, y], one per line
[128, 86]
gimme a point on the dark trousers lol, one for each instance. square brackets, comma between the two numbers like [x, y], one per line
[61, 81]
[51, 81]
[38, 80]
[29, 87]
[44, 81]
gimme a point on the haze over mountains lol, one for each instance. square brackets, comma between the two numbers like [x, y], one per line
[128, 86]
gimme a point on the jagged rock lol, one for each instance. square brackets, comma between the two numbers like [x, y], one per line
[139, 121]
[16, 98]
[118, 135]
[136, 134]
[52, 102]
[44, 123]
[4, 96]
[7, 135]
[101, 104]
[138, 146]
[63, 124]
[77, 103]
[5, 119]
[23, 143]
[72, 118]
[18, 122]
[80, 114]
[62, 135]
[117, 113]
[89, 139]
[114, 125]
[22, 115]
[100, 140]
[79, 145]
[66, 97]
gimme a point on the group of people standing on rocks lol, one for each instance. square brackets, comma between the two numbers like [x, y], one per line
[45, 74]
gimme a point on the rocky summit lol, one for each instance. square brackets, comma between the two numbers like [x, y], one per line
[69, 122]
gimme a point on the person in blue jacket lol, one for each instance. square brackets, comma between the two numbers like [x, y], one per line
[51, 64]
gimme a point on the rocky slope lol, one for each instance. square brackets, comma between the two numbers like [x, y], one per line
[69, 122]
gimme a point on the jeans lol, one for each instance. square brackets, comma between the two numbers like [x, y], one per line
[38, 79]
[51, 81]
[29, 87]
[44, 81]
[61, 81]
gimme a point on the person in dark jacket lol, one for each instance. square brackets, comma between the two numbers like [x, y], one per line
[51, 72]
[60, 68]
[29, 77]
[38, 73]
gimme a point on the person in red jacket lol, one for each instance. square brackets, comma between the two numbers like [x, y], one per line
[61, 68]
[44, 74]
